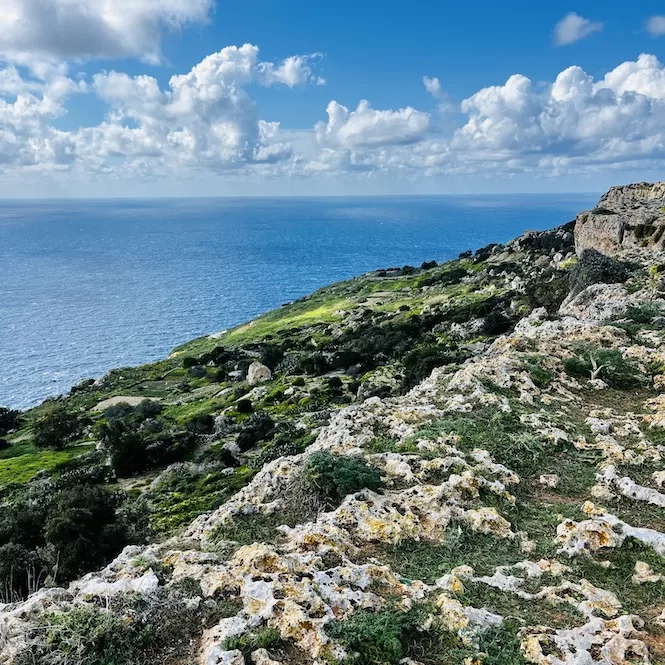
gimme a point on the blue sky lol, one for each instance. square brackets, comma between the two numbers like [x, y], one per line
[88, 105]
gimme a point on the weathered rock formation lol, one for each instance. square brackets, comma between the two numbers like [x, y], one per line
[627, 216]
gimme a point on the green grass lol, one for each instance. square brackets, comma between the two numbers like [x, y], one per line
[529, 612]
[22, 468]
[180, 500]
[643, 599]
[429, 561]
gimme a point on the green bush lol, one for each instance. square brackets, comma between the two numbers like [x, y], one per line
[56, 427]
[606, 364]
[162, 628]
[9, 420]
[335, 476]
[83, 530]
[136, 440]
[63, 531]
[594, 268]
[259, 427]
[419, 363]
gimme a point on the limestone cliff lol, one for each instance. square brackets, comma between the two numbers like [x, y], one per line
[627, 216]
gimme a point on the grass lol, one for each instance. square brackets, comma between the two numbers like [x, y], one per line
[24, 467]
[429, 561]
[529, 612]
[180, 500]
[643, 599]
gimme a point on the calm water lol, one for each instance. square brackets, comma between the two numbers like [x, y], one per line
[88, 286]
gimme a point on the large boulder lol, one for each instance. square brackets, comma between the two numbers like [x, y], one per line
[627, 216]
[258, 373]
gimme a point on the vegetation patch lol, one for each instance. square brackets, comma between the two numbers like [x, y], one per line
[333, 477]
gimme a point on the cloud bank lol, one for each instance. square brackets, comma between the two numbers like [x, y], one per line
[206, 120]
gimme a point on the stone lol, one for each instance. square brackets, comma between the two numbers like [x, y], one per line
[258, 373]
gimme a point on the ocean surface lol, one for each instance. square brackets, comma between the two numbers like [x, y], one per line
[86, 286]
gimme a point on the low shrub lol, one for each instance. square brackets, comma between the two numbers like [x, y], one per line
[136, 440]
[244, 406]
[9, 420]
[594, 268]
[419, 363]
[540, 375]
[258, 427]
[335, 476]
[56, 427]
[263, 638]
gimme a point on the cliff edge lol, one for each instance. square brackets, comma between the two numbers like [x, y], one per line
[627, 216]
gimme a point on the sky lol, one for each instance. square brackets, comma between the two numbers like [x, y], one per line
[150, 98]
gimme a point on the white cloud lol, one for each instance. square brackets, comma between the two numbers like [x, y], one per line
[433, 86]
[206, 122]
[204, 119]
[656, 26]
[38, 30]
[369, 128]
[575, 124]
[573, 27]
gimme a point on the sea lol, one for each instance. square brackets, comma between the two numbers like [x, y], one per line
[86, 286]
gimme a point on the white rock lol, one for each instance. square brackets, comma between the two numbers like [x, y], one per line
[258, 373]
[549, 480]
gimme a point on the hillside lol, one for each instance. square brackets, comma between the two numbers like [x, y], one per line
[449, 464]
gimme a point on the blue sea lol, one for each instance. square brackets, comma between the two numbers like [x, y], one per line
[86, 286]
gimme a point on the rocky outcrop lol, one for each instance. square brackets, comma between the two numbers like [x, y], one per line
[627, 216]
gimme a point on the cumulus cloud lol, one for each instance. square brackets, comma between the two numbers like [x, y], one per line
[573, 124]
[370, 128]
[38, 30]
[575, 119]
[205, 120]
[656, 26]
[573, 27]
[202, 119]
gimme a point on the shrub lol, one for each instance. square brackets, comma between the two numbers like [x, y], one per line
[83, 531]
[419, 363]
[244, 406]
[264, 638]
[594, 268]
[259, 427]
[606, 364]
[136, 443]
[496, 323]
[643, 314]
[540, 375]
[335, 476]
[549, 290]
[189, 361]
[132, 631]
[428, 265]
[380, 638]
[9, 420]
[56, 427]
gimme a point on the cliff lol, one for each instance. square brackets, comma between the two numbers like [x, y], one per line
[627, 216]
[457, 463]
